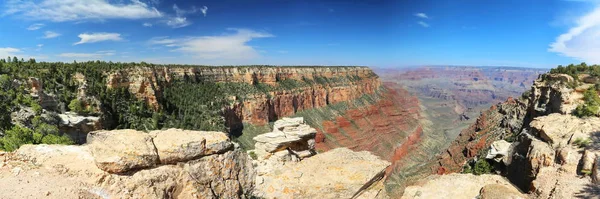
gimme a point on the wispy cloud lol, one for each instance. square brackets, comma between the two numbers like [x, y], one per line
[80, 10]
[204, 9]
[98, 37]
[39, 47]
[50, 34]
[36, 26]
[179, 20]
[95, 55]
[147, 24]
[581, 41]
[422, 15]
[425, 25]
[231, 46]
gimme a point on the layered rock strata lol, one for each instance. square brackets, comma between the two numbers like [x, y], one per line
[148, 84]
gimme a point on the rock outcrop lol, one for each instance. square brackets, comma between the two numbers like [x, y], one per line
[553, 152]
[286, 167]
[463, 186]
[212, 169]
[289, 135]
[338, 173]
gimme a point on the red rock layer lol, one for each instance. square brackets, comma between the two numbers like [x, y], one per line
[259, 109]
[387, 128]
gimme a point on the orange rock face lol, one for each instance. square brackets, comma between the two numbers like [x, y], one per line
[388, 128]
[259, 109]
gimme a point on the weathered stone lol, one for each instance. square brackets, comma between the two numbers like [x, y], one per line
[71, 172]
[498, 191]
[78, 126]
[564, 155]
[339, 173]
[456, 186]
[587, 161]
[540, 155]
[558, 129]
[120, 151]
[498, 150]
[596, 170]
[176, 145]
[288, 133]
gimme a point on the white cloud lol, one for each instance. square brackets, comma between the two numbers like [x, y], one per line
[50, 34]
[98, 37]
[581, 41]
[8, 51]
[422, 15]
[79, 10]
[96, 55]
[178, 22]
[147, 24]
[36, 26]
[204, 9]
[39, 47]
[225, 47]
[423, 24]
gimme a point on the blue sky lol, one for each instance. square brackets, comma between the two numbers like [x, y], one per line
[379, 33]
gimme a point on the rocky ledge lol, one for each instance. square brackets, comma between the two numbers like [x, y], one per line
[131, 164]
[463, 186]
[176, 163]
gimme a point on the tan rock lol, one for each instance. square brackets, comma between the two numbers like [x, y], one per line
[176, 145]
[120, 151]
[288, 133]
[540, 155]
[558, 129]
[587, 161]
[339, 173]
[596, 171]
[71, 172]
[455, 186]
[498, 191]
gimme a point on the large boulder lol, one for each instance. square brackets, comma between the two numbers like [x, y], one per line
[57, 171]
[460, 186]
[559, 130]
[540, 155]
[78, 126]
[176, 145]
[498, 150]
[288, 134]
[498, 191]
[338, 173]
[121, 151]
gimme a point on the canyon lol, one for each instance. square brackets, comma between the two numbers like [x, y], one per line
[283, 122]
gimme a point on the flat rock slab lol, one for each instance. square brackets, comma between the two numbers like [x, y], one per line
[457, 186]
[338, 173]
[558, 129]
[176, 145]
[120, 151]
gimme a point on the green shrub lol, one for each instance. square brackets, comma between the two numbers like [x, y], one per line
[17, 136]
[591, 105]
[76, 106]
[582, 143]
[253, 155]
[482, 167]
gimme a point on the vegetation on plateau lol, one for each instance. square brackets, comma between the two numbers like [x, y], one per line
[186, 103]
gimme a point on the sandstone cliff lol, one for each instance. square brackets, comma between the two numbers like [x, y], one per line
[338, 84]
[550, 153]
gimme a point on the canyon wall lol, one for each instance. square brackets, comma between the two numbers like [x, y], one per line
[336, 84]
